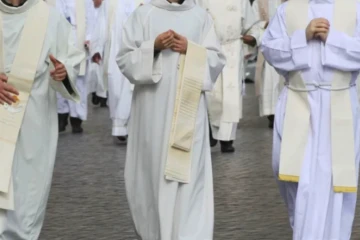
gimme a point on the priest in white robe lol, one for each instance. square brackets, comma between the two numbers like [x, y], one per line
[39, 59]
[168, 175]
[103, 48]
[315, 46]
[234, 24]
[268, 82]
[80, 13]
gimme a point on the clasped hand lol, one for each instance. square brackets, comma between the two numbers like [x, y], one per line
[171, 40]
[318, 28]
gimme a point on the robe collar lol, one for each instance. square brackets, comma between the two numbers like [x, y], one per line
[7, 8]
[164, 4]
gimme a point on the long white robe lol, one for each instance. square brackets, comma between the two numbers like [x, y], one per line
[316, 211]
[272, 83]
[120, 89]
[36, 147]
[68, 10]
[231, 80]
[162, 209]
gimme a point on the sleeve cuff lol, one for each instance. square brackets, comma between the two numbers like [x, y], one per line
[147, 49]
[301, 54]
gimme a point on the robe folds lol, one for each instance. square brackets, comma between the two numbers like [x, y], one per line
[68, 8]
[163, 209]
[268, 82]
[37, 140]
[232, 19]
[316, 211]
[119, 88]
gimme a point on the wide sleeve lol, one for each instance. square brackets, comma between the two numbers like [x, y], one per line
[215, 58]
[136, 58]
[285, 53]
[71, 57]
[342, 51]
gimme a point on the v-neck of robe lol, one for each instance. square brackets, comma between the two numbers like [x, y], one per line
[8, 8]
[164, 4]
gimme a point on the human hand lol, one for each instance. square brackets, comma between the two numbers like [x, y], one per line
[59, 73]
[249, 40]
[87, 44]
[180, 44]
[97, 3]
[317, 27]
[322, 36]
[8, 94]
[96, 58]
[164, 40]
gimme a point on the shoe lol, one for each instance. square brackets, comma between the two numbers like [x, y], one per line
[122, 139]
[63, 121]
[227, 147]
[271, 121]
[103, 102]
[76, 125]
[95, 99]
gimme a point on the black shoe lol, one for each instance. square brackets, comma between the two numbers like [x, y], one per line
[103, 102]
[63, 121]
[122, 139]
[213, 141]
[76, 125]
[271, 121]
[227, 147]
[95, 99]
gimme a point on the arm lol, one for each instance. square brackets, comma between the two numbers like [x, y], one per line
[215, 58]
[136, 56]
[70, 57]
[342, 51]
[251, 15]
[285, 53]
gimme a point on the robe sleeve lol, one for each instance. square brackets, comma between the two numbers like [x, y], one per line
[215, 58]
[61, 7]
[136, 56]
[342, 51]
[250, 17]
[285, 53]
[71, 57]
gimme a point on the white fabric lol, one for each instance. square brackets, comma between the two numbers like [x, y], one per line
[272, 83]
[164, 209]
[225, 102]
[68, 9]
[120, 89]
[33, 164]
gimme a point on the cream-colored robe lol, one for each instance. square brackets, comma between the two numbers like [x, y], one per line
[231, 19]
[269, 82]
[37, 142]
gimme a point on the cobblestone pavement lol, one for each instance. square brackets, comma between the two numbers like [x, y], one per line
[88, 202]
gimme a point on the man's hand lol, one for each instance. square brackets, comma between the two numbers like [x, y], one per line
[322, 36]
[317, 27]
[3, 78]
[180, 44]
[249, 40]
[164, 41]
[7, 92]
[96, 58]
[97, 3]
[59, 73]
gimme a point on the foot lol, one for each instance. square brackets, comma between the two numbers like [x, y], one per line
[227, 147]
[213, 142]
[103, 102]
[76, 125]
[63, 121]
[271, 121]
[95, 99]
[122, 139]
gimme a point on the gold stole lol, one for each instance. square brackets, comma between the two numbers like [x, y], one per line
[21, 76]
[112, 8]
[192, 69]
[81, 31]
[297, 116]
